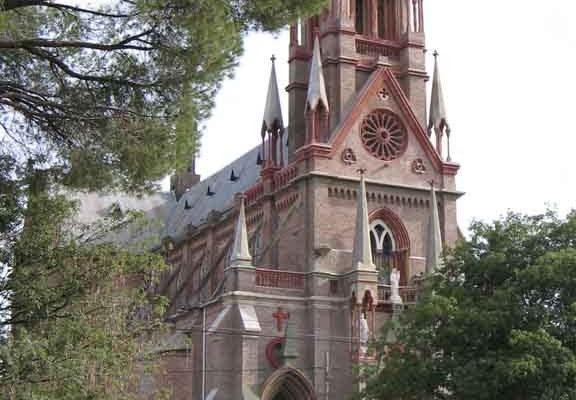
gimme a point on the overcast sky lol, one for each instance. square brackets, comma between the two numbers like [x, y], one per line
[508, 73]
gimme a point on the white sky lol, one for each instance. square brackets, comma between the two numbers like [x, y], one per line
[508, 74]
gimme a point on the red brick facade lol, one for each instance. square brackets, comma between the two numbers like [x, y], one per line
[301, 220]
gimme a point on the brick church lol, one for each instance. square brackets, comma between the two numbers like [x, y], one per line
[287, 262]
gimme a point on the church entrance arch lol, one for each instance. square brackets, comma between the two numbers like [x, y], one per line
[288, 384]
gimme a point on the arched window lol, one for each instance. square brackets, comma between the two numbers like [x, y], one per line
[204, 271]
[255, 244]
[382, 19]
[360, 11]
[382, 244]
[387, 19]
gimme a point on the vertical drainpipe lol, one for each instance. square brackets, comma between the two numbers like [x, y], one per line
[204, 352]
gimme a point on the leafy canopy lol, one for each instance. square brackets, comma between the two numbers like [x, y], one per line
[98, 97]
[101, 92]
[74, 310]
[498, 323]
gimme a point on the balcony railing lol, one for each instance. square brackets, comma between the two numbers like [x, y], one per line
[409, 294]
[376, 48]
[279, 279]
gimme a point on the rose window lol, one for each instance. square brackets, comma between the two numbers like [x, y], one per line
[384, 135]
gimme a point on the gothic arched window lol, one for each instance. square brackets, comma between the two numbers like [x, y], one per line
[360, 11]
[255, 244]
[382, 19]
[387, 14]
[382, 244]
[204, 271]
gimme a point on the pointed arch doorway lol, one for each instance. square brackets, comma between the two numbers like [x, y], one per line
[288, 384]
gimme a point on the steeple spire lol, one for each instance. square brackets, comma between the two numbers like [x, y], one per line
[434, 246]
[272, 124]
[362, 256]
[272, 111]
[316, 85]
[317, 110]
[438, 116]
[240, 249]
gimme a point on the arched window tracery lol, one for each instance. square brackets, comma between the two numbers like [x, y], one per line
[383, 246]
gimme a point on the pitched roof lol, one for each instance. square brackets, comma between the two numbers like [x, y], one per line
[195, 205]
[156, 207]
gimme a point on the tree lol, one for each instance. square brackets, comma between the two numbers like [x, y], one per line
[99, 91]
[498, 321]
[71, 327]
[98, 98]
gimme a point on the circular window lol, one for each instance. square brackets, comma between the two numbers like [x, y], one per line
[384, 135]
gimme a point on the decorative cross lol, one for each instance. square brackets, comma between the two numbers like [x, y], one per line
[361, 171]
[280, 316]
[273, 58]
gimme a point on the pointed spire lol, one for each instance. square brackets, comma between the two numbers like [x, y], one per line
[438, 116]
[272, 111]
[362, 250]
[434, 246]
[316, 85]
[240, 250]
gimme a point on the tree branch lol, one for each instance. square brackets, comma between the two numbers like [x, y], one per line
[15, 4]
[64, 67]
[123, 45]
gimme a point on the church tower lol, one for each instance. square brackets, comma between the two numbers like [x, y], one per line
[357, 37]
[288, 261]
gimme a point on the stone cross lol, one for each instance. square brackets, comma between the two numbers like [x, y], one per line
[280, 316]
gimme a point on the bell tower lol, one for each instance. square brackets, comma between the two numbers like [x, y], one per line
[356, 37]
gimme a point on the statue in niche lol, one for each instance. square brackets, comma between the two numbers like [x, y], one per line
[364, 335]
[395, 286]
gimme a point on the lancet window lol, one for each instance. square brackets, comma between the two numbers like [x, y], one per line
[360, 14]
[204, 270]
[382, 244]
[379, 19]
[255, 243]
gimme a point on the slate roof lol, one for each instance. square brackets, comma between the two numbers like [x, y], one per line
[171, 218]
[213, 193]
[156, 207]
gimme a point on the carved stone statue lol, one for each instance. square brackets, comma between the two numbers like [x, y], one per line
[395, 287]
[364, 335]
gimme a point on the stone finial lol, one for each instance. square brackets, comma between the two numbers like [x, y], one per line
[272, 111]
[316, 84]
[438, 116]
[362, 257]
[434, 245]
[241, 250]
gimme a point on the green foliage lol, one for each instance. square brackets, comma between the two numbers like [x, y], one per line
[75, 312]
[498, 322]
[113, 94]
[98, 98]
